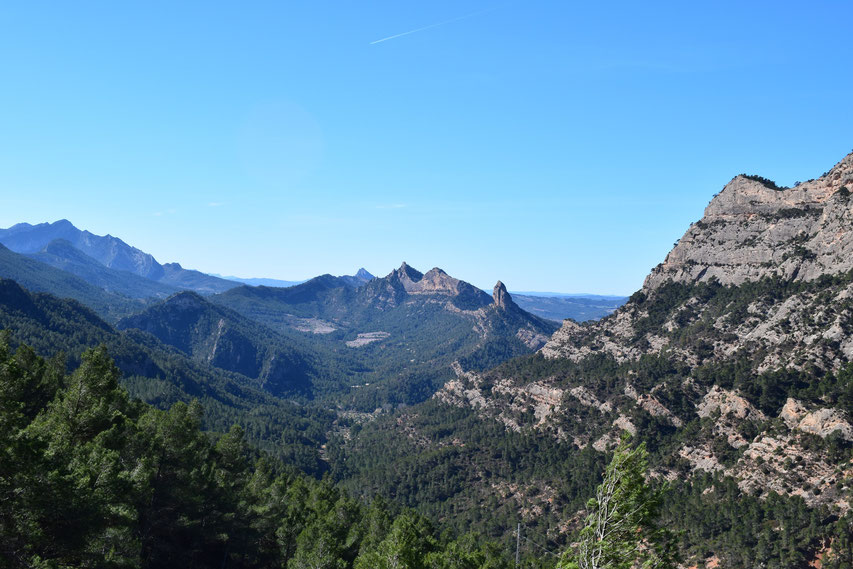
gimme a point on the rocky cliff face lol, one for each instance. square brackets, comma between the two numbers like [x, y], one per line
[729, 340]
[752, 230]
[784, 258]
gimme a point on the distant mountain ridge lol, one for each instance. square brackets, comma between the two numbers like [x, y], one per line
[109, 251]
[361, 277]
[339, 300]
[258, 281]
[406, 329]
[62, 255]
[579, 308]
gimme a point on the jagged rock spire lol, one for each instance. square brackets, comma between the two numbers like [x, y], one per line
[502, 298]
[405, 272]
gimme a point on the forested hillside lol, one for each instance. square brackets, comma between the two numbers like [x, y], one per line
[91, 478]
[732, 364]
[164, 376]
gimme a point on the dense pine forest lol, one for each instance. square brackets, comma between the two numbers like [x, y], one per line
[91, 478]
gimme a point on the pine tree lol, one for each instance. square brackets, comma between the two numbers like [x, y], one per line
[621, 530]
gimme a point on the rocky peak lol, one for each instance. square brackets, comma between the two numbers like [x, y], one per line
[364, 275]
[754, 229]
[406, 274]
[502, 298]
[437, 281]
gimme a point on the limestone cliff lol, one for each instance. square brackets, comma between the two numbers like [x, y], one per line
[793, 247]
[752, 230]
[720, 353]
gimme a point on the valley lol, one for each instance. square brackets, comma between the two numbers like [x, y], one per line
[733, 365]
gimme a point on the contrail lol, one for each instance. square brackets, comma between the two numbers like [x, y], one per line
[471, 15]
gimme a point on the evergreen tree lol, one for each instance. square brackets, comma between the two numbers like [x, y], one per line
[621, 530]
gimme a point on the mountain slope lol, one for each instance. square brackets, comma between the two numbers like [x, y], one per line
[748, 318]
[42, 277]
[769, 268]
[224, 339]
[61, 254]
[733, 365]
[158, 374]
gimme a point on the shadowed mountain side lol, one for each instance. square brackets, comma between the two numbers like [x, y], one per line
[162, 375]
[224, 339]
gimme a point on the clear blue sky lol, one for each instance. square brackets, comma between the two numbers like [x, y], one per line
[557, 146]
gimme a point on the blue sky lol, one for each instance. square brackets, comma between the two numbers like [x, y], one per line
[557, 146]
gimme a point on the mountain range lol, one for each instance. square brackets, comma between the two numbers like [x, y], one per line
[733, 364]
[106, 261]
[323, 337]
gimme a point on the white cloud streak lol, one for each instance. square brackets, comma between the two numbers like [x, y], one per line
[416, 30]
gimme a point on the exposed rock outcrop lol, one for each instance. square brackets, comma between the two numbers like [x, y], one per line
[756, 298]
[751, 230]
[502, 298]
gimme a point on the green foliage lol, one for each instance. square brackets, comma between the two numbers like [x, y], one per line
[452, 465]
[163, 376]
[767, 183]
[89, 478]
[408, 545]
[776, 532]
[621, 529]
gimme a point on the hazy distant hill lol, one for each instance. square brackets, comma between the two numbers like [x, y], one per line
[61, 254]
[109, 251]
[579, 308]
[361, 277]
[259, 281]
